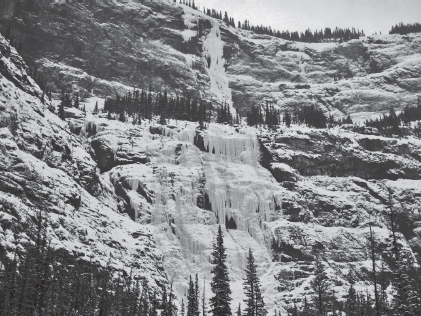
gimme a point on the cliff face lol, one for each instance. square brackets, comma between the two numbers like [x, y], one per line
[285, 195]
[114, 47]
[44, 168]
[360, 77]
[152, 195]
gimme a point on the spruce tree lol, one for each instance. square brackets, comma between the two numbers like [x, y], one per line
[183, 308]
[165, 303]
[61, 110]
[191, 299]
[196, 310]
[204, 300]
[153, 307]
[220, 302]
[320, 285]
[76, 103]
[351, 300]
[95, 111]
[403, 300]
[122, 116]
[373, 261]
[254, 301]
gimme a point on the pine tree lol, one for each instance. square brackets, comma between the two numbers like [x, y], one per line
[254, 301]
[351, 300]
[321, 287]
[183, 308]
[239, 310]
[403, 299]
[61, 109]
[196, 309]
[373, 261]
[191, 299]
[154, 305]
[122, 116]
[204, 301]
[220, 302]
[171, 308]
[95, 111]
[306, 311]
[76, 104]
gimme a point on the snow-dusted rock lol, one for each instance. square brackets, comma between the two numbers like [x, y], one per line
[44, 168]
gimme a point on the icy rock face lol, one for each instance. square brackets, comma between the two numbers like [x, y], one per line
[267, 200]
[44, 168]
[184, 191]
[162, 44]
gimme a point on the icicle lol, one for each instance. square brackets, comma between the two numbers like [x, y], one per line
[244, 147]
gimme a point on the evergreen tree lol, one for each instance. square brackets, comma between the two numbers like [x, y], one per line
[220, 302]
[404, 297]
[191, 299]
[322, 297]
[254, 301]
[154, 305]
[373, 261]
[76, 104]
[61, 109]
[183, 308]
[204, 300]
[196, 309]
[239, 310]
[95, 111]
[306, 311]
[122, 116]
[351, 299]
[287, 118]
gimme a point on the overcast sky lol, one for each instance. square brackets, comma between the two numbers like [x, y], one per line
[370, 15]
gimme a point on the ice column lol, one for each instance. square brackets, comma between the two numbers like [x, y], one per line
[213, 48]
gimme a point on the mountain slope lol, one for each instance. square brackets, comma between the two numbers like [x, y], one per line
[152, 195]
[45, 168]
[113, 47]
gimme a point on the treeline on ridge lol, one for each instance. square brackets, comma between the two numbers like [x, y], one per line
[403, 29]
[390, 124]
[141, 105]
[328, 34]
[308, 115]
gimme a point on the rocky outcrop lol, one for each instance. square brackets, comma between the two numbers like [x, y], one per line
[105, 47]
[339, 153]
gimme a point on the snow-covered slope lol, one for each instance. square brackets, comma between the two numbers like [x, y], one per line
[45, 168]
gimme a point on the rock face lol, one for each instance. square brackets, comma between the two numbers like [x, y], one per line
[339, 153]
[45, 168]
[287, 195]
[109, 48]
